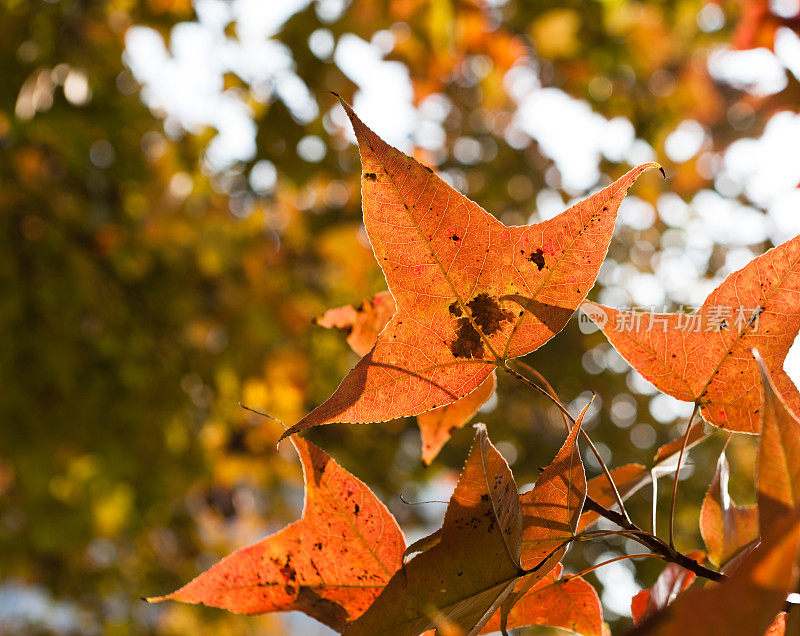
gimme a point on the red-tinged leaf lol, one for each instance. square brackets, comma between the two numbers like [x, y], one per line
[437, 425]
[778, 471]
[672, 581]
[778, 627]
[726, 527]
[464, 576]
[569, 603]
[363, 324]
[748, 601]
[631, 477]
[331, 564]
[705, 358]
[470, 292]
[550, 512]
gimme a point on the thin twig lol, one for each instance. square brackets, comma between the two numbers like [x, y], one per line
[584, 434]
[654, 543]
[642, 555]
[677, 473]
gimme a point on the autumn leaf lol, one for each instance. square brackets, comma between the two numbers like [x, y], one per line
[748, 601]
[468, 571]
[551, 511]
[362, 325]
[705, 357]
[470, 292]
[437, 426]
[631, 477]
[569, 603]
[331, 564]
[726, 527]
[672, 581]
[778, 471]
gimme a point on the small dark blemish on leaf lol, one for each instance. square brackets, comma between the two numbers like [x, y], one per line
[537, 257]
[455, 309]
[370, 176]
[455, 237]
[427, 168]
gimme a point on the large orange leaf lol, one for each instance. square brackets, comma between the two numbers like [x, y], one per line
[467, 573]
[746, 603]
[778, 472]
[570, 603]
[550, 512]
[331, 564]
[362, 325]
[726, 527]
[470, 292]
[705, 357]
[672, 581]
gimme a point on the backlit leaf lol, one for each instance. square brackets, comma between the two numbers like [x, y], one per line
[726, 527]
[470, 292]
[331, 564]
[552, 509]
[705, 357]
[748, 601]
[466, 574]
[569, 603]
[672, 581]
[778, 473]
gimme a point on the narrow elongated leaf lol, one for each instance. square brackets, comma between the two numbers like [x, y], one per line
[464, 576]
[726, 527]
[705, 358]
[363, 324]
[778, 473]
[569, 603]
[470, 292]
[551, 511]
[672, 581]
[331, 564]
[745, 604]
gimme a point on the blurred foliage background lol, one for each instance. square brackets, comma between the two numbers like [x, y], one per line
[158, 264]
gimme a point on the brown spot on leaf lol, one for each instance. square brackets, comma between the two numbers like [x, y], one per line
[468, 341]
[455, 237]
[455, 309]
[488, 314]
[370, 176]
[537, 257]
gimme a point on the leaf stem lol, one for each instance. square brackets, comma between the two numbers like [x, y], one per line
[516, 374]
[677, 473]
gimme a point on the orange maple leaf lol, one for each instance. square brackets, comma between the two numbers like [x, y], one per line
[362, 325]
[331, 564]
[705, 357]
[470, 292]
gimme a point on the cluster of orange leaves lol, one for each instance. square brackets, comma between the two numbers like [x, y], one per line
[466, 294]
